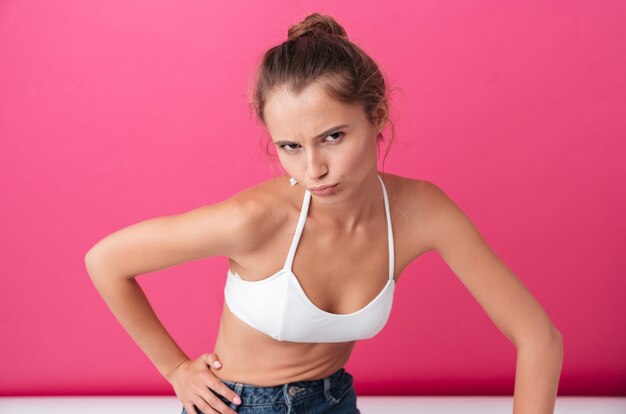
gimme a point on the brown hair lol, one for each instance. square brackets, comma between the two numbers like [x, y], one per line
[318, 49]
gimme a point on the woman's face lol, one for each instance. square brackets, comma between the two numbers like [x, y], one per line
[321, 141]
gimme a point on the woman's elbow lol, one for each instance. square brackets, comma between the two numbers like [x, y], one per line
[546, 336]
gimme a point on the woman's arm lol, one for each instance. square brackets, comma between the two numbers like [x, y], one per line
[130, 306]
[506, 300]
[155, 244]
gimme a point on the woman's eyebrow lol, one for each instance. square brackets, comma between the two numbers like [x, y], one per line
[321, 135]
[329, 130]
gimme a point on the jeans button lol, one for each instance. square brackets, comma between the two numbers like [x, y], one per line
[292, 391]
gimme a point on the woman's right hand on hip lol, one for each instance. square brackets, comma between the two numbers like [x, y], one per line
[193, 378]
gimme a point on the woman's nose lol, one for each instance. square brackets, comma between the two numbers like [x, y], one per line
[316, 165]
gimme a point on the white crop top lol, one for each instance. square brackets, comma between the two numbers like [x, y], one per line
[278, 306]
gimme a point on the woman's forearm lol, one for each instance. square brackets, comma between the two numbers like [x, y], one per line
[132, 309]
[537, 376]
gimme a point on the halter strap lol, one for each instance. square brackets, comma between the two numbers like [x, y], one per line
[296, 237]
[389, 230]
[300, 227]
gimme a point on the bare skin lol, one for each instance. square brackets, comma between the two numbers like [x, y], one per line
[252, 357]
[344, 241]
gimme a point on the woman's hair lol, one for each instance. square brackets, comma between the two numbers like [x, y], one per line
[318, 49]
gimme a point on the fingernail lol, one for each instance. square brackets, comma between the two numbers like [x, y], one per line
[237, 400]
[217, 364]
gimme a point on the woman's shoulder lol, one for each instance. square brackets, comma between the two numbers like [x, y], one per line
[268, 199]
[411, 193]
[417, 203]
[423, 208]
[259, 211]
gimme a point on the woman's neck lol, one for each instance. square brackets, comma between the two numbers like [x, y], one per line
[353, 207]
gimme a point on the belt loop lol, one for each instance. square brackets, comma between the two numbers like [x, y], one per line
[327, 385]
[237, 390]
[286, 394]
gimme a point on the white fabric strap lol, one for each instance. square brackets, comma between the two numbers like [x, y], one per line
[300, 227]
[296, 237]
[389, 230]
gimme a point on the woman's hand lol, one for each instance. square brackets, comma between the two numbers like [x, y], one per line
[191, 381]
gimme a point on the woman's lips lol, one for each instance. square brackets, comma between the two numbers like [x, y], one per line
[323, 189]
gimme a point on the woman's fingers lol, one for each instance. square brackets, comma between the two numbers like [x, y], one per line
[218, 385]
[212, 404]
[227, 393]
[200, 389]
[214, 384]
[212, 360]
[189, 408]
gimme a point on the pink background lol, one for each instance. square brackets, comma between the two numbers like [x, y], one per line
[112, 112]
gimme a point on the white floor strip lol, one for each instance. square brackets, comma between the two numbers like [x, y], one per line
[367, 405]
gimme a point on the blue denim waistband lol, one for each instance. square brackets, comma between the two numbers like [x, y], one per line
[290, 392]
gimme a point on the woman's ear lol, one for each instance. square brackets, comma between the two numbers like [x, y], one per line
[381, 115]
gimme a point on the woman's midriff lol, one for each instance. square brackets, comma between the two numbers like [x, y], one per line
[251, 357]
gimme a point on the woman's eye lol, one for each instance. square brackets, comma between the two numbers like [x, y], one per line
[336, 136]
[290, 147]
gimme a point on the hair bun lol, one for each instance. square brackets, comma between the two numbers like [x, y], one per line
[316, 23]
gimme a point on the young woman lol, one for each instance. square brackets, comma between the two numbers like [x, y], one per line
[315, 255]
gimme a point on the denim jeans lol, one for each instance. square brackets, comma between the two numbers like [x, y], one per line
[334, 394]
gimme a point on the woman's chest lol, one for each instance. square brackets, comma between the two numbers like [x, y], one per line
[339, 273]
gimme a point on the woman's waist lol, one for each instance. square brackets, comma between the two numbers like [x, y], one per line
[272, 377]
[251, 357]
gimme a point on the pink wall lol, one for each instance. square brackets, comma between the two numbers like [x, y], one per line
[112, 112]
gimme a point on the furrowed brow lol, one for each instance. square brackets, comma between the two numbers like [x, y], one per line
[330, 130]
[321, 135]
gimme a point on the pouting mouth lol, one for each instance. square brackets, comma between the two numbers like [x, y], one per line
[321, 187]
